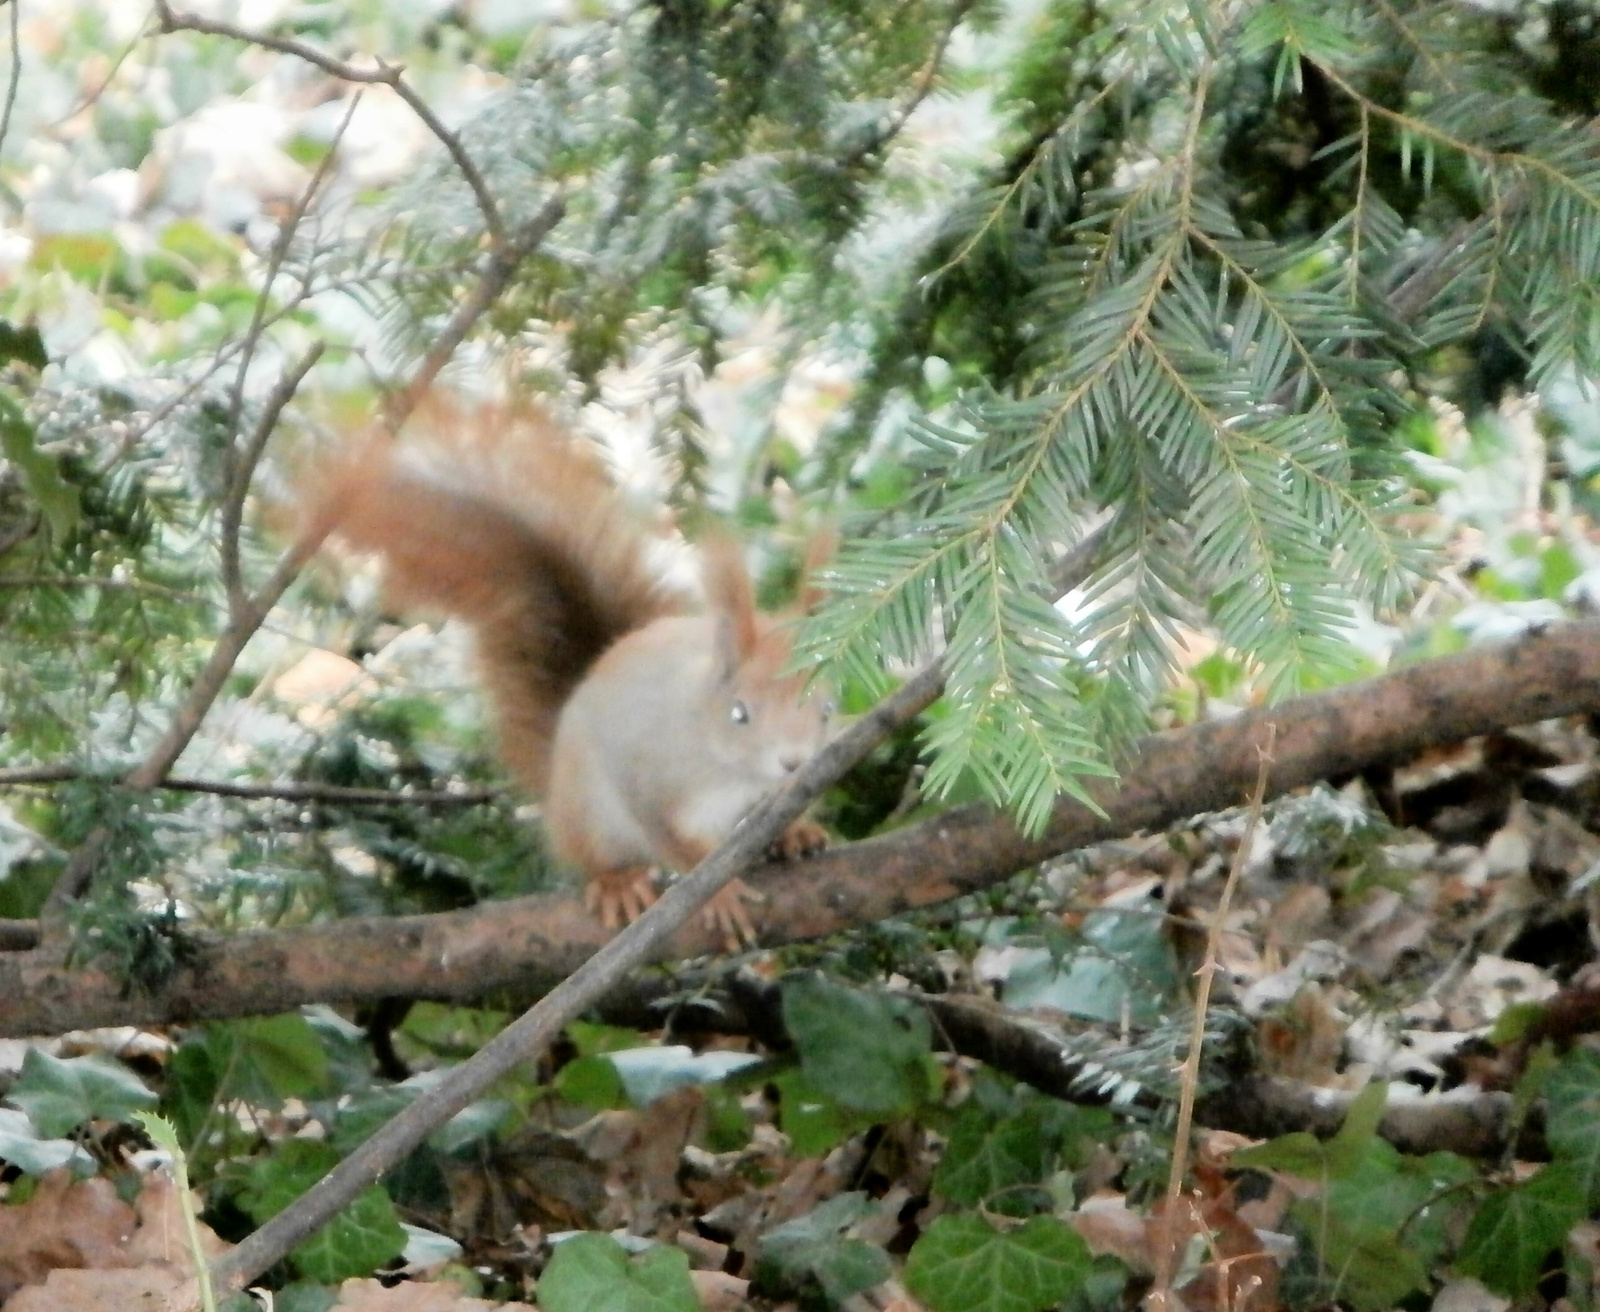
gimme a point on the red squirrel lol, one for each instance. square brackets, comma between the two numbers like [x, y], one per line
[649, 720]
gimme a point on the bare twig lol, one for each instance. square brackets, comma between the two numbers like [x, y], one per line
[92, 581]
[333, 794]
[498, 267]
[242, 464]
[921, 87]
[386, 74]
[89, 98]
[244, 471]
[1160, 1295]
[18, 935]
[16, 72]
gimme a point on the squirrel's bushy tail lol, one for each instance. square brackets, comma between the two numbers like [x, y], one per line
[500, 518]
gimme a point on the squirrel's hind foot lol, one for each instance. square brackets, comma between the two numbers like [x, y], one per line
[727, 915]
[619, 897]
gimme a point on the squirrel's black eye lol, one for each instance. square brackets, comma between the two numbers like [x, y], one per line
[741, 713]
[828, 708]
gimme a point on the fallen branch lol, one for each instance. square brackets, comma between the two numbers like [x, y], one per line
[519, 948]
[1032, 1049]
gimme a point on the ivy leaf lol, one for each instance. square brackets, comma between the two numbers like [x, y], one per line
[814, 1249]
[61, 1094]
[304, 1296]
[1312, 1158]
[867, 1051]
[1124, 970]
[1516, 1229]
[963, 1264]
[985, 1156]
[25, 344]
[356, 1242]
[1572, 1116]
[278, 1057]
[57, 498]
[363, 1236]
[1384, 1218]
[592, 1273]
[814, 1122]
[1348, 1149]
[592, 1083]
[22, 1146]
[1300, 1153]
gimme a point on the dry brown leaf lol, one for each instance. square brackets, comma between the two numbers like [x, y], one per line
[1464, 1295]
[892, 1297]
[413, 1296]
[161, 1237]
[1304, 1042]
[67, 1223]
[536, 1178]
[67, 1290]
[719, 1292]
[1109, 1228]
[1240, 1275]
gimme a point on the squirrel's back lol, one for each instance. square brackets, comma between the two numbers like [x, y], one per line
[497, 516]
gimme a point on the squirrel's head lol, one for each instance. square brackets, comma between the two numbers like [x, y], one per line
[763, 718]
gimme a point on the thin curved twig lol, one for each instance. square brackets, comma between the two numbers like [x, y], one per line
[242, 463]
[16, 72]
[334, 794]
[385, 74]
[921, 87]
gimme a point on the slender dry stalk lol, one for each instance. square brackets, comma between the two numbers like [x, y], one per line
[1160, 1295]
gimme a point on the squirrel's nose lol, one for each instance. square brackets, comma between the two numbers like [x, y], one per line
[791, 761]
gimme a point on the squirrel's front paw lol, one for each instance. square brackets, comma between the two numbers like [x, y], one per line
[726, 914]
[619, 897]
[802, 838]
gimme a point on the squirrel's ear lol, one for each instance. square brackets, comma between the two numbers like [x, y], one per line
[821, 547]
[732, 601]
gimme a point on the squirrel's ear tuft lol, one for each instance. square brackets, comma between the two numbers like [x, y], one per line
[731, 598]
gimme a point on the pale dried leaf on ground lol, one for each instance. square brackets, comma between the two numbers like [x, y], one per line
[67, 1223]
[413, 1296]
[67, 1290]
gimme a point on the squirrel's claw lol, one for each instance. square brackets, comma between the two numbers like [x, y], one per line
[725, 914]
[802, 838]
[619, 897]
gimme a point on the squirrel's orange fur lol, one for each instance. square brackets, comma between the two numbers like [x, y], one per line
[649, 720]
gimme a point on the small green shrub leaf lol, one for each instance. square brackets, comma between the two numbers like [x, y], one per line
[60, 1094]
[867, 1051]
[813, 1250]
[963, 1264]
[1516, 1229]
[362, 1237]
[1572, 1116]
[593, 1273]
